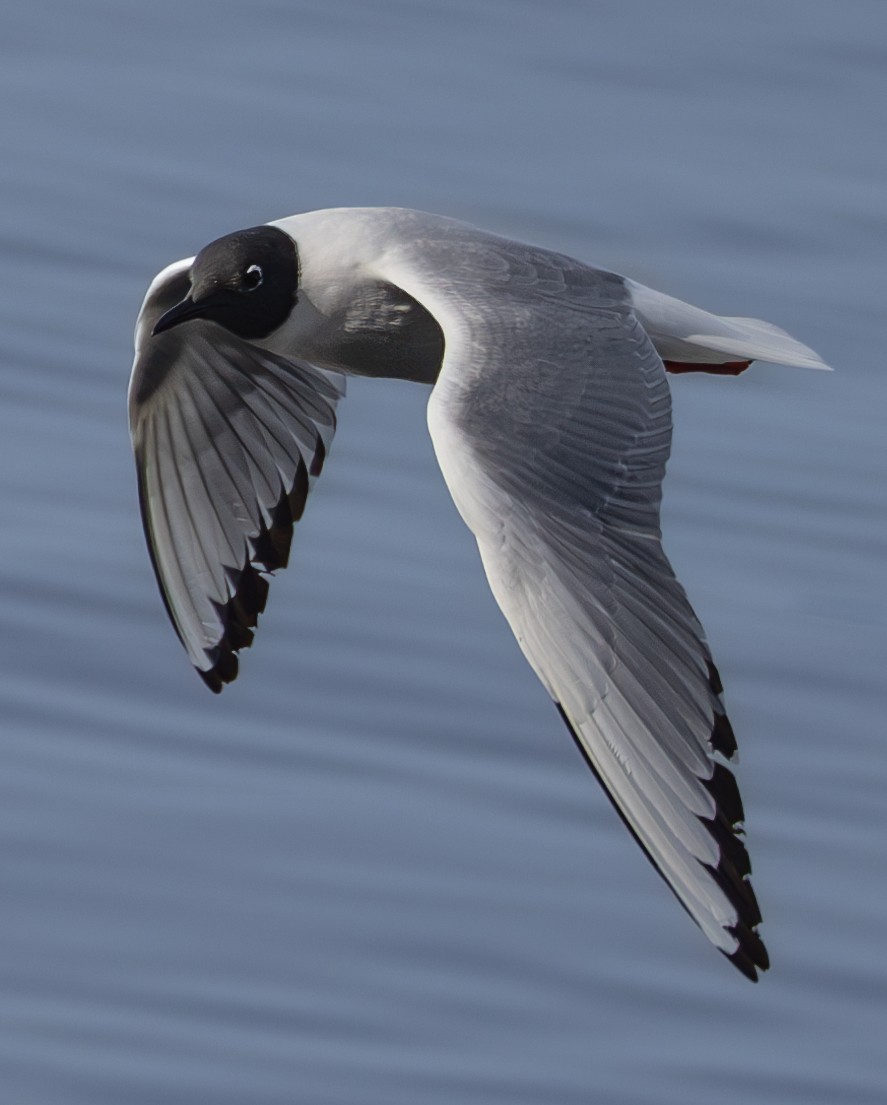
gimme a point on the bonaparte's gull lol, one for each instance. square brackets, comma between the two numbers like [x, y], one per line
[551, 419]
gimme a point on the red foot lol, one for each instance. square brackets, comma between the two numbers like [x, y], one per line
[731, 368]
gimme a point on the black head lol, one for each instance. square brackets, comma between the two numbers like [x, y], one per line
[246, 282]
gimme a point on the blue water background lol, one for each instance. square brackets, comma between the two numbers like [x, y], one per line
[374, 871]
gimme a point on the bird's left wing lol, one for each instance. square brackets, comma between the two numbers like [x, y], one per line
[227, 438]
[552, 424]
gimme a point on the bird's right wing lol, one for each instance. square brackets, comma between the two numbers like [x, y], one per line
[227, 438]
[552, 424]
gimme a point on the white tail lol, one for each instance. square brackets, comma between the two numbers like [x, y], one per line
[689, 335]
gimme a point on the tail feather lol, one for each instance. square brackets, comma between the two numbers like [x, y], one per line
[688, 335]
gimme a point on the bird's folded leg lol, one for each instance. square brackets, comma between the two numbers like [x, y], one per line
[729, 368]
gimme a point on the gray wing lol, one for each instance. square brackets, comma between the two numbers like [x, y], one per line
[553, 438]
[227, 437]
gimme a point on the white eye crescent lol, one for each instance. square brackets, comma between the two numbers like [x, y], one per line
[252, 278]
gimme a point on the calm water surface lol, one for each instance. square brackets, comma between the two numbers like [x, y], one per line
[375, 871]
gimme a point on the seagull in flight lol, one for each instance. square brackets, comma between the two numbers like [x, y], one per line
[550, 416]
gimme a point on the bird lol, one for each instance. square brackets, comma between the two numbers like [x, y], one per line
[550, 416]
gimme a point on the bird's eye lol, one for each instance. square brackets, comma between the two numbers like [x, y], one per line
[252, 278]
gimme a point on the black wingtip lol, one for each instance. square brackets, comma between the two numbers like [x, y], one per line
[744, 964]
[733, 867]
[224, 668]
[212, 679]
[239, 617]
[750, 956]
[249, 586]
[723, 739]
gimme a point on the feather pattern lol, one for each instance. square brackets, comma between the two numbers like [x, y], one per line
[563, 498]
[551, 419]
[228, 437]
